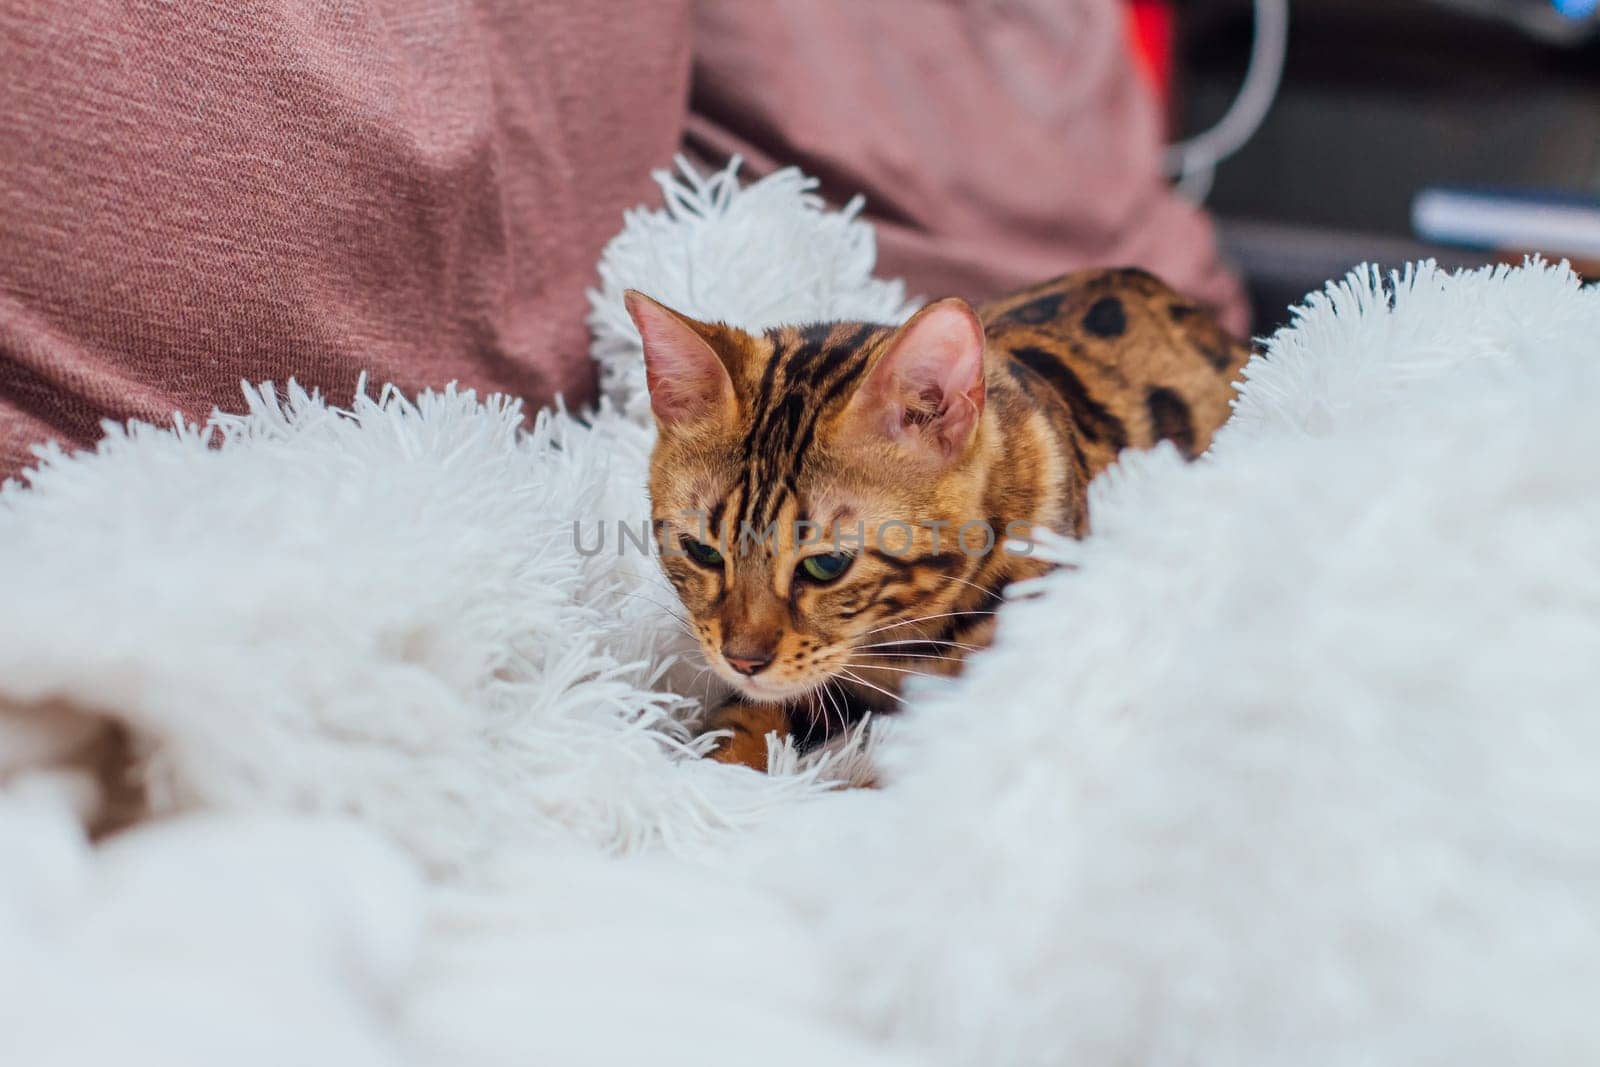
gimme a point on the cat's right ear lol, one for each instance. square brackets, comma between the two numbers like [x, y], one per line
[687, 381]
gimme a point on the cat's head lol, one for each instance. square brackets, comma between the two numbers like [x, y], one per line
[800, 480]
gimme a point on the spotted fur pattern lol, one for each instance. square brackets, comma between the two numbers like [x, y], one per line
[786, 428]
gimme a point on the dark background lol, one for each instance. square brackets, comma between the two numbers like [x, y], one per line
[1379, 99]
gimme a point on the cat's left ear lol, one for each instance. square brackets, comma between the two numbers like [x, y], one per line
[927, 391]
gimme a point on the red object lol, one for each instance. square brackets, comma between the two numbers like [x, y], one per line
[1152, 29]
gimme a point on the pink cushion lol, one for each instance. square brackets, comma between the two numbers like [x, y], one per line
[198, 194]
[998, 144]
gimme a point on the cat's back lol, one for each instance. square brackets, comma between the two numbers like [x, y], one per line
[1128, 359]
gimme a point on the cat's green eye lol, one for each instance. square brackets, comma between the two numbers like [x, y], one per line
[825, 568]
[702, 553]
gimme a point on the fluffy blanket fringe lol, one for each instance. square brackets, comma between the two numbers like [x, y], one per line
[1295, 762]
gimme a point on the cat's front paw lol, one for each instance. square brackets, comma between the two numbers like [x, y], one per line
[748, 726]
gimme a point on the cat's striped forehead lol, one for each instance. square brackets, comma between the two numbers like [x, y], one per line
[803, 374]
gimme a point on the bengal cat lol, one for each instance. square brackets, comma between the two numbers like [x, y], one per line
[821, 493]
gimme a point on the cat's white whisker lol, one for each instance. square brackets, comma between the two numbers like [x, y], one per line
[986, 592]
[897, 670]
[657, 604]
[845, 672]
[921, 641]
[913, 655]
[835, 701]
[924, 618]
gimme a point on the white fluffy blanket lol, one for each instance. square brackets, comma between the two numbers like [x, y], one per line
[1296, 763]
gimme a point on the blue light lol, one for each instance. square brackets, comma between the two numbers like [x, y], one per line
[1576, 9]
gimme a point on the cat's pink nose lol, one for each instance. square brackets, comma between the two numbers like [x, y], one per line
[752, 663]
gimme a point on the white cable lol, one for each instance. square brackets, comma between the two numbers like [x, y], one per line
[1193, 162]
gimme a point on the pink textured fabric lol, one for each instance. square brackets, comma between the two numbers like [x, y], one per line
[202, 192]
[199, 193]
[998, 142]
